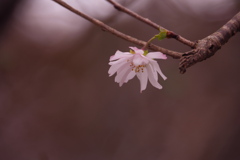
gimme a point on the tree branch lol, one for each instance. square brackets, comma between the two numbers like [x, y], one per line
[105, 27]
[202, 49]
[208, 46]
[151, 23]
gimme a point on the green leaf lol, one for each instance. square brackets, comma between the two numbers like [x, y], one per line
[162, 34]
[145, 52]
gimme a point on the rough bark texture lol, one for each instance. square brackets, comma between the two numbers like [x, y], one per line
[208, 46]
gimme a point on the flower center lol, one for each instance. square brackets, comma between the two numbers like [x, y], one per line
[139, 68]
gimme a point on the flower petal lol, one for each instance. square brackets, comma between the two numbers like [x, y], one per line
[152, 79]
[137, 50]
[156, 55]
[118, 61]
[134, 48]
[156, 66]
[137, 60]
[120, 54]
[130, 76]
[125, 77]
[153, 71]
[122, 74]
[127, 65]
[115, 66]
[143, 77]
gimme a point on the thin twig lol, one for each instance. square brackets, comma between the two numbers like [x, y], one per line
[105, 27]
[151, 23]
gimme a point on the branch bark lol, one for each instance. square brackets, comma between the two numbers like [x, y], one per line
[170, 34]
[201, 50]
[208, 46]
[117, 33]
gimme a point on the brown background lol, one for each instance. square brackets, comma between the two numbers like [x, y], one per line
[58, 103]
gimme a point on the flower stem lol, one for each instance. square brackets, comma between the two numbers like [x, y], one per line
[148, 42]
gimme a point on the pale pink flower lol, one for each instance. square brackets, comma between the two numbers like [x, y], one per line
[137, 62]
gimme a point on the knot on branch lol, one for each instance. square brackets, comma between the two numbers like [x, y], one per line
[204, 49]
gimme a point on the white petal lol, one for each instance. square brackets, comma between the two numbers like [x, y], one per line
[134, 48]
[120, 54]
[137, 50]
[118, 61]
[121, 72]
[156, 66]
[143, 77]
[125, 77]
[145, 59]
[116, 65]
[152, 79]
[130, 76]
[153, 71]
[156, 55]
[137, 60]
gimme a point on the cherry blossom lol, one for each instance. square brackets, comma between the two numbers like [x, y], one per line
[137, 62]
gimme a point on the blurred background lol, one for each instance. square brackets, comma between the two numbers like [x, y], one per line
[57, 101]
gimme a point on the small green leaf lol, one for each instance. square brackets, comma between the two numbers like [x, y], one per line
[162, 34]
[145, 52]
